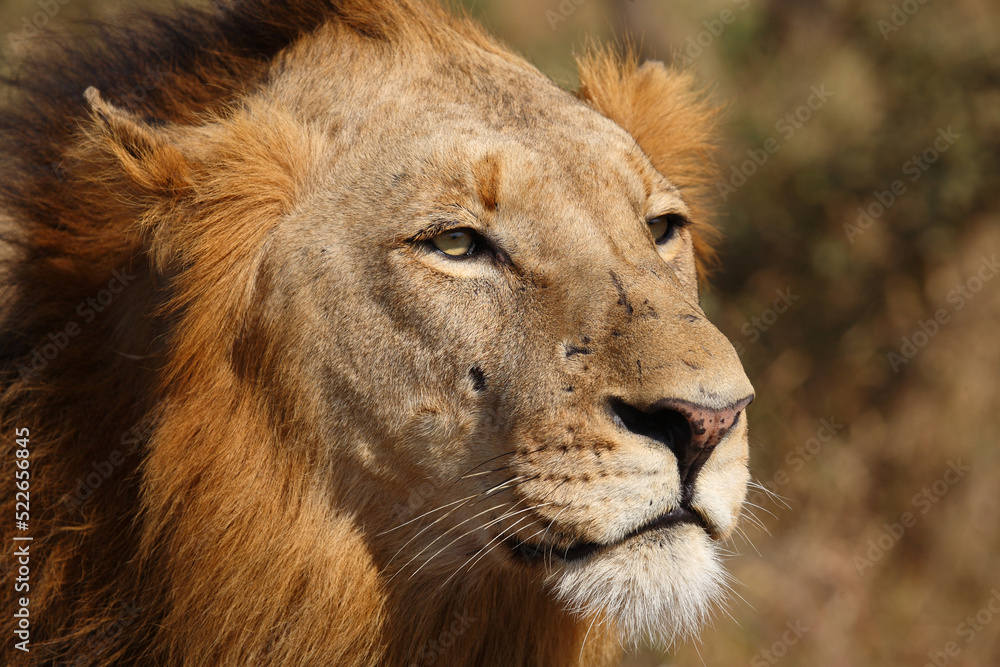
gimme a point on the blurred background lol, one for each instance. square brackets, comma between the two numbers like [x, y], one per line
[859, 193]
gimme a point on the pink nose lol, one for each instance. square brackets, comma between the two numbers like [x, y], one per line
[689, 430]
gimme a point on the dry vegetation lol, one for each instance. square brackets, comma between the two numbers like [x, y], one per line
[889, 433]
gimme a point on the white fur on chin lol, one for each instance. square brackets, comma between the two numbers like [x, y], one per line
[658, 588]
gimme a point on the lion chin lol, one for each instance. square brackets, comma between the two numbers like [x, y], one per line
[654, 589]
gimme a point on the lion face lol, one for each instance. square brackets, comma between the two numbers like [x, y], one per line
[496, 297]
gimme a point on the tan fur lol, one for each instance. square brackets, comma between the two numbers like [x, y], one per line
[332, 435]
[669, 118]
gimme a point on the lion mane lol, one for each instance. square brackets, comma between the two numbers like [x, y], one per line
[199, 490]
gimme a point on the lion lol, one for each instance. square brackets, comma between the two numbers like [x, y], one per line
[338, 334]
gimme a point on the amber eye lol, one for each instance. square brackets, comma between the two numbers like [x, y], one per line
[664, 227]
[456, 243]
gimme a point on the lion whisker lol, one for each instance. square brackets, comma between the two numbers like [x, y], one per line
[435, 540]
[496, 544]
[727, 581]
[760, 507]
[475, 558]
[551, 523]
[583, 644]
[739, 531]
[501, 486]
[484, 463]
[486, 494]
[778, 498]
[525, 541]
[503, 516]
[755, 521]
[504, 486]
[427, 513]
[484, 472]
[432, 524]
[487, 472]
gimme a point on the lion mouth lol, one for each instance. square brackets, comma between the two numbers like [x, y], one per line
[581, 551]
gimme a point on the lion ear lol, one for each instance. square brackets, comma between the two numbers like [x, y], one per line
[140, 156]
[670, 119]
[132, 170]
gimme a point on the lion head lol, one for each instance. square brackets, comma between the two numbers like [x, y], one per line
[415, 345]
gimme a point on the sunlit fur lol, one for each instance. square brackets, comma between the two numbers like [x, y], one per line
[648, 593]
[327, 438]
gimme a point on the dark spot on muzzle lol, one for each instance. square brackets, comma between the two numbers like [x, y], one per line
[478, 378]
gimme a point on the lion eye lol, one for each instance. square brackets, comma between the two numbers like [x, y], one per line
[664, 227]
[456, 243]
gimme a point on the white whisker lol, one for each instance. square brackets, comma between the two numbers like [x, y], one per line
[503, 516]
[472, 560]
[418, 518]
[434, 541]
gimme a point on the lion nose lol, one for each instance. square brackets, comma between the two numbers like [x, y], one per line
[689, 430]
